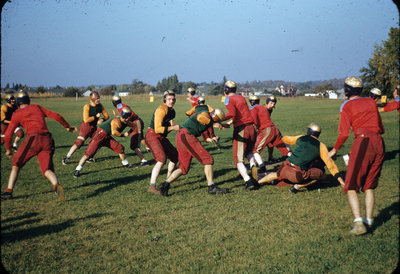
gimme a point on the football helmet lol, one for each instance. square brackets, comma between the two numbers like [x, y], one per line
[314, 129]
[254, 100]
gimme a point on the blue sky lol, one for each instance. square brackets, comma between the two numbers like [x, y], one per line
[79, 43]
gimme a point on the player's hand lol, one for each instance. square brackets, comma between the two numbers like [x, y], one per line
[341, 181]
[98, 115]
[71, 129]
[9, 153]
[332, 153]
[100, 121]
[126, 134]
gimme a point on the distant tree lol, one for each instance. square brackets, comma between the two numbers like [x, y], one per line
[91, 88]
[323, 88]
[7, 86]
[189, 84]
[40, 90]
[216, 89]
[383, 68]
[107, 90]
[170, 83]
[72, 91]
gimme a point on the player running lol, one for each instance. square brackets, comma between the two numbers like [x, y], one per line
[7, 111]
[267, 133]
[244, 132]
[189, 147]
[136, 134]
[367, 151]
[91, 119]
[37, 143]
[161, 124]
[103, 138]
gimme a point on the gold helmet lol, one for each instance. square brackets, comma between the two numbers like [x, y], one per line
[254, 100]
[201, 100]
[218, 114]
[191, 91]
[271, 98]
[314, 129]
[375, 93]
[126, 113]
[352, 86]
[229, 87]
[9, 98]
[167, 93]
[116, 100]
[23, 98]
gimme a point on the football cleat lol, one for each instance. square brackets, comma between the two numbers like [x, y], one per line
[65, 161]
[293, 190]
[144, 163]
[14, 147]
[127, 165]
[60, 193]
[252, 184]
[6, 196]
[91, 160]
[153, 190]
[77, 173]
[216, 190]
[164, 187]
[358, 228]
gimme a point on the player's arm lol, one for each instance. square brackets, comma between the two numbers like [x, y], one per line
[290, 140]
[231, 110]
[105, 114]
[9, 134]
[330, 164]
[204, 118]
[116, 124]
[190, 112]
[86, 117]
[4, 109]
[344, 132]
[159, 115]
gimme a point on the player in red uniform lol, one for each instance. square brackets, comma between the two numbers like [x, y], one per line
[270, 104]
[190, 147]
[244, 133]
[7, 111]
[136, 134]
[394, 105]
[367, 151]
[156, 138]
[37, 143]
[103, 138]
[192, 97]
[268, 134]
[91, 119]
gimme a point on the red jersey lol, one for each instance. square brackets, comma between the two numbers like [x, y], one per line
[121, 106]
[238, 110]
[31, 118]
[392, 105]
[261, 117]
[361, 114]
[193, 100]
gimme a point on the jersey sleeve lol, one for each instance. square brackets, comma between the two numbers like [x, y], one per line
[290, 140]
[204, 118]
[115, 126]
[105, 114]
[86, 117]
[158, 119]
[191, 111]
[3, 114]
[344, 129]
[55, 116]
[330, 164]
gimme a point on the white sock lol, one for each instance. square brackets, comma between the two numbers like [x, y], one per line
[243, 171]
[210, 183]
[125, 162]
[368, 221]
[359, 219]
[69, 155]
[14, 145]
[258, 159]
[144, 160]
[78, 168]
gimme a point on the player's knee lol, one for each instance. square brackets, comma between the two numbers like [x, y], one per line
[79, 142]
[19, 132]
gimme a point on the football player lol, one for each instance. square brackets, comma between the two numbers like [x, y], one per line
[161, 124]
[92, 113]
[367, 151]
[190, 147]
[37, 143]
[103, 138]
[7, 111]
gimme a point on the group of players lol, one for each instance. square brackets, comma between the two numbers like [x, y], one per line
[253, 132]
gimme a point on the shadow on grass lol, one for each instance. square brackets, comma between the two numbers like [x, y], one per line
[390, 155]
[19, 218]
[385, 215]
[30, 233]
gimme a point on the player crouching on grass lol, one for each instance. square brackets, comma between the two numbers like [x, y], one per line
[7, 111]
[298, 168]
[103, 138]
[136, 133]
[189, 147]
[37, 143]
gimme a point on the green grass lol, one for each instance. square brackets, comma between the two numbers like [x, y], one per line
[110, 224]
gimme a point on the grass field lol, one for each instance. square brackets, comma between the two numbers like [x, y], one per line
[110, 224]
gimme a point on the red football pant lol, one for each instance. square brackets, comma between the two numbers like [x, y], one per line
[101, 139]
[190, 147]
[244, 138]
[161, 147]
